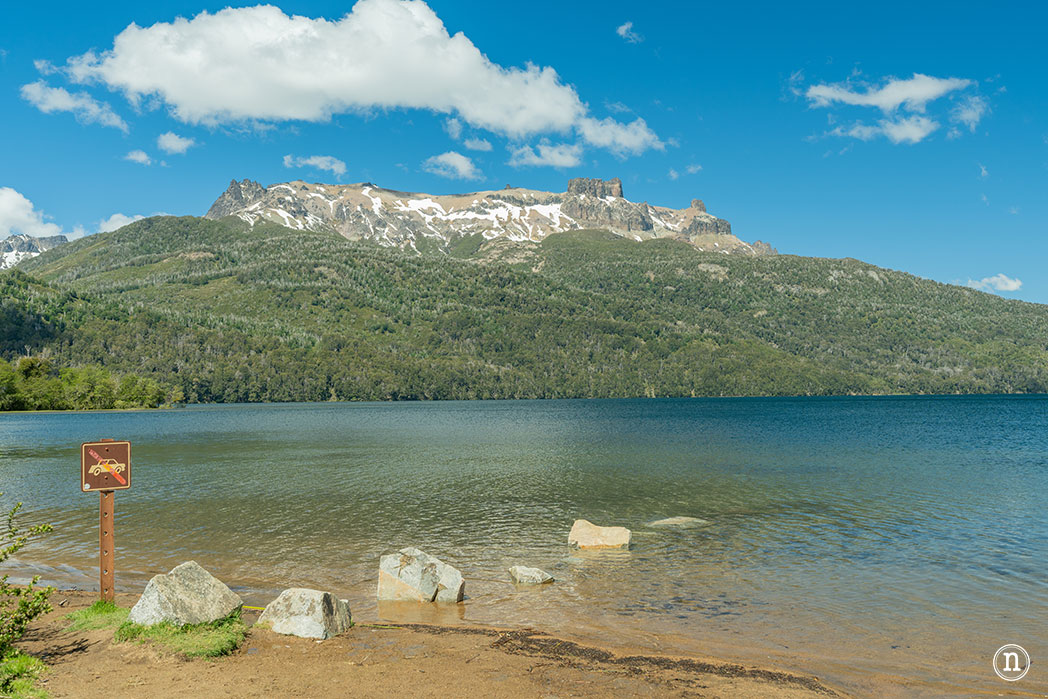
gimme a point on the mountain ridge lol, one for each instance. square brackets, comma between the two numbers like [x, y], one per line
[421, 221]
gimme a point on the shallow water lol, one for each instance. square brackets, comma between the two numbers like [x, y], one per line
[886, 544]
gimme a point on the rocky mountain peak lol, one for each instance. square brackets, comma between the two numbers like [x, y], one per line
[237, 196]
[16, 248]
[596, 187]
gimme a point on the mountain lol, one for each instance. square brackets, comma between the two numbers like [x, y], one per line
[16, 248]
[425, 221]
[228, 311]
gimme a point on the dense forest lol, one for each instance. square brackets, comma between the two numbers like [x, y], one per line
[226, 312]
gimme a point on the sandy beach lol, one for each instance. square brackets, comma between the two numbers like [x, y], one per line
[376, 658]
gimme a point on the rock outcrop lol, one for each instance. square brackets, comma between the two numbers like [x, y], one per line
[186, 595]
[523, 575]
[425, 221]
[413, 575]
[594, 187]
[587, 535]
[238, 196]
[307, 613]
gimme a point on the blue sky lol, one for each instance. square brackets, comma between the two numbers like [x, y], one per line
[915, 138]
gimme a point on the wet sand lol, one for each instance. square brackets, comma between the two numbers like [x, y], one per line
[376, 658]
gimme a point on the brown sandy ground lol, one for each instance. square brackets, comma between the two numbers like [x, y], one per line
[383, 660]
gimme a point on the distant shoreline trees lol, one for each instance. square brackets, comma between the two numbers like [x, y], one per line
[36, 383]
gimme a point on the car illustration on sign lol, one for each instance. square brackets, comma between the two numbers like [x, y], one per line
[107, 465]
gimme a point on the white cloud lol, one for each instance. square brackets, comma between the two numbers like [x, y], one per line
[18, 215]
[627, 33]
[83, 106]
[983, 172]
[117, 221]
[969, 112]
[319, 162]
[1014, 210]
[259, 65]
[673, 174]
[693, 168]
[173, 143]
[912, 129]
[619, 138]
[477, 144]
[139, 156]
[985, 199]
[560, 155]
[912, 94]
[998, 282]
[452, 165]
[453, 127]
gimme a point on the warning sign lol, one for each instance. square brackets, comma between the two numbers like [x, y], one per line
[105, 466]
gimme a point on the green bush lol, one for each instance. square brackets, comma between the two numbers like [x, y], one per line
[18, 607]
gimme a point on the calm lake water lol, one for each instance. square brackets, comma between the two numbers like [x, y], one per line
[888, 545]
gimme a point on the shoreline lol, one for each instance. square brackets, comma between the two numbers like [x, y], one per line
[183, 406]
[382, 658]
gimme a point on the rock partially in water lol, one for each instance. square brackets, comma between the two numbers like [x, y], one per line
[307, 614]
[523, 575]
[587, 535]
[679, 522]
[187, 595]
[413, 575]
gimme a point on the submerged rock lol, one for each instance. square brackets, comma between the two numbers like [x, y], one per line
[307, 614]
[187, 595]
[679, 522]
[413, 575]
[522, 575]
[587, 535]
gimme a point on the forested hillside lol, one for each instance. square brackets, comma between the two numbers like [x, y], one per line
[232, 313]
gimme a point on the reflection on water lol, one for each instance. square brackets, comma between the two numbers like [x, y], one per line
[859, 538]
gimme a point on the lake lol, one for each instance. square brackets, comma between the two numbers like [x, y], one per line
[889, 545]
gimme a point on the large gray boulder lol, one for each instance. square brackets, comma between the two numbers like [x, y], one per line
[307, 614]
[413, 575]
[523, 575]
[187, 595]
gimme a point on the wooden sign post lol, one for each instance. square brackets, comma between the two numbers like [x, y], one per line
[105, 466]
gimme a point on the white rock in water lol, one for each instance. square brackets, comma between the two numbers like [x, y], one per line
[587, 535]
[413, 575]
[307, 614]
[678, 522]
[187, 595]
[522, 575]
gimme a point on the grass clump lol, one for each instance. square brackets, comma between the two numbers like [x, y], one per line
[18, 675]
[100, 615]
[209, 640]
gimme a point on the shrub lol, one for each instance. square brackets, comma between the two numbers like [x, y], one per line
[19, 605]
